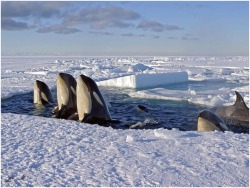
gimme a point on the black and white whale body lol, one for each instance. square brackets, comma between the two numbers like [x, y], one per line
[66, 96]
[235, 116]
[91, 106]
[42, 94]
[208, 121]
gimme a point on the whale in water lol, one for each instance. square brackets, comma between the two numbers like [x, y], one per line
[141, 108]
[91, 106]
[208, 121]
[42, 94]
[237, 115]
[66, 96]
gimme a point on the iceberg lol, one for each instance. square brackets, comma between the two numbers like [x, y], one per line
[146, 80]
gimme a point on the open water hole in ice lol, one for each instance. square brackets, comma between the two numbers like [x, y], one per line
[162, 113]
[165, 114]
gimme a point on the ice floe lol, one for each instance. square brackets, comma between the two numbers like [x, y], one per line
[146, 80]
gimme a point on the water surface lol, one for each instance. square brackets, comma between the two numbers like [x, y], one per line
[161, 113]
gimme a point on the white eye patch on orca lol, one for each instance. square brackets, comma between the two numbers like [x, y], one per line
[73, 90]
[98, 98]
[44, 96]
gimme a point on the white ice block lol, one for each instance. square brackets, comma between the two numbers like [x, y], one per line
[146, 80]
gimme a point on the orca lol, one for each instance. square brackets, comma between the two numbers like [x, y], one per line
[141, 108]
[208, 121]
[91, 106]
[66, 96]
[42, 94]
[237, 115]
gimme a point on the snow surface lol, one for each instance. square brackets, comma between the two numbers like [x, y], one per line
[39, 151]
[224, 96]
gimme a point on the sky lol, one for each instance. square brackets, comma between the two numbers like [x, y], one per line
[133, 28]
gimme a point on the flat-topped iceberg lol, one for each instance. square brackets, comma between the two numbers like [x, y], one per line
[146, 80]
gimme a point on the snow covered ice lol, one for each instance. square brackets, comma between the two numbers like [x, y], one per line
[146, 80]
[40, 151]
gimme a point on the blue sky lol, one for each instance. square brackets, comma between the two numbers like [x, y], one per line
[125, 28]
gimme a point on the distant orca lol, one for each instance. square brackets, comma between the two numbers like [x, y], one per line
[91, 106]
[42, 94]
[208, 121]
[236, 115]
[141, 108]
[66, 96]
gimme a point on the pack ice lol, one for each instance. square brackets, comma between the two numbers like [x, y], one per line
[39, 151]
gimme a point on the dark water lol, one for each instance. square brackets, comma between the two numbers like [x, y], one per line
[161, 113]
[122, 107]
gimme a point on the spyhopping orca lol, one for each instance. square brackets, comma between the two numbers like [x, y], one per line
[236, 116]
[208, 121]
[66, 96]
[42, 94]
[91, 106]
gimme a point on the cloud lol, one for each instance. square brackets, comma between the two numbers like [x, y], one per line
[101, 33]
[36, 13]
[151, 25]
[157, 26]
[132, 35]
[172, 38]
[103, 17]
[12, 25]
[141, 35]
[155, 36]
[58, 29]
[22, 9]
[102, 24]
[17, 15]
[189, 36]
[31, 12]
[128, 35]
[173, 27]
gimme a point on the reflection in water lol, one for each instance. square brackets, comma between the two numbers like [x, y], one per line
[42, 111]
[38, 110]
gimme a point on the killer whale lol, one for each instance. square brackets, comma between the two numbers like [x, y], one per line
[208, 121]
[91, 106]
[42, 94]
[236, 116]
[66, 96]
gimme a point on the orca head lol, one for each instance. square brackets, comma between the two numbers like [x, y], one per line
[93, 90]
[42, 94]
[66, 90]
[90, 102]
[208, 121]
[83, 97]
